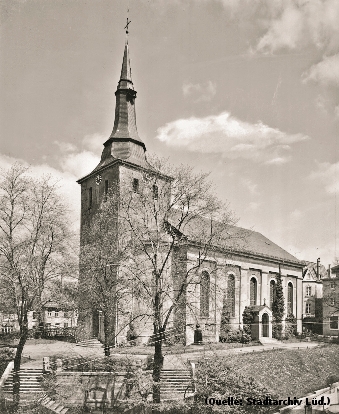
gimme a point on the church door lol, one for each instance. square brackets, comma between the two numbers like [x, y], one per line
[265, 325]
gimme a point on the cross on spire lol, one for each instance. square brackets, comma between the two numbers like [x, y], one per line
[126, 27]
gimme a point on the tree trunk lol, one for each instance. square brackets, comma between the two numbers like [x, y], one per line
[17, 360]
[107, 334]
[157, 367]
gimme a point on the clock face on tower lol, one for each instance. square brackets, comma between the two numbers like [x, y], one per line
[98, 179]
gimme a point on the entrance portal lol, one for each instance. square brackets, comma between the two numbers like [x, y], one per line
[265, 325]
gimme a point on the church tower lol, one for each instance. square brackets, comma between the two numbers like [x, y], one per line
[123, 148]
[123, 162]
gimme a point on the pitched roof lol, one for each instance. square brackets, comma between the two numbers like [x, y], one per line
[234, 239]
[311, 269]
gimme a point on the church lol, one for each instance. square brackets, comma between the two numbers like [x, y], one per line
[246, 277]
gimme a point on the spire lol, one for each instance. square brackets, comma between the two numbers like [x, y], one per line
[126, 73]
[124, 141]
[125, 127]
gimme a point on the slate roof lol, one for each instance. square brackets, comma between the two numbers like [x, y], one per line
[235, 239]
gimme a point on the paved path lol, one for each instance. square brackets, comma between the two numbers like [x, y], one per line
[36, 351]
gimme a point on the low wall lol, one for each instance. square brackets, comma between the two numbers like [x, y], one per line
[81, 388]
[7, 371]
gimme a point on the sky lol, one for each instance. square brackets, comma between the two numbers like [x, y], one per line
[247, 90]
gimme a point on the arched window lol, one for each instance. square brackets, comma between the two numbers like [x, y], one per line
[205, 294]
[289, 298]
[253, 291]
[272, 292]
[231, 294]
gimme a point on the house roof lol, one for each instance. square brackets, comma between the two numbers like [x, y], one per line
[233, 238]
[311, 270]
[55, 305]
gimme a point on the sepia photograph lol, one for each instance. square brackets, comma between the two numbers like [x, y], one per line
[169, 206]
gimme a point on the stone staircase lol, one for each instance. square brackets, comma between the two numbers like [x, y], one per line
[175, 384]
[30, 382]
[269, 341]
[52, 405]
[90, 343]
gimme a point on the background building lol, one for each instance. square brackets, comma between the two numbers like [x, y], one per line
[331, 303]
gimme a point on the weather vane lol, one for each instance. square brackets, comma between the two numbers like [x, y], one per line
[128, 22]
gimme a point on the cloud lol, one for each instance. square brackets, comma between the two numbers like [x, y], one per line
[232, 138]
[78, 164]
[325, 72]
[73, 163]
[80, 161]
[94, 143]
[251, 187]
[199, 92]
[283, 32]
[328, 174]
[65, 182]
[293, 24]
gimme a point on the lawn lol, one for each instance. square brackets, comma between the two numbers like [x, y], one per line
[286, 372]
[181, 349]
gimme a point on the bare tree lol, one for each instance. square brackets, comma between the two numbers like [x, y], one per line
[101, 283]
[134, 251]
[168, 209]
[331, 298]
[35, 246]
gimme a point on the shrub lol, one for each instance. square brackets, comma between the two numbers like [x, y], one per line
[278, 308]
[225, 322]
[247, 320]
[236, 337]
[216, 379]
[6, 354]
[83, 364]
[290, 326]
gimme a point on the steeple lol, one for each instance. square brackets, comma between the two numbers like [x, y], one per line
[125, 128]
[124, 142]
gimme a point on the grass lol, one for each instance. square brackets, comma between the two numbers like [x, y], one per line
[180, 349]
[286, 372]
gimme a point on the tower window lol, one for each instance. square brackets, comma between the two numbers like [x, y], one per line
[90, 197]
[135, 185]
[308, 291]
[155, 192]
